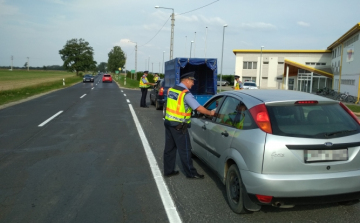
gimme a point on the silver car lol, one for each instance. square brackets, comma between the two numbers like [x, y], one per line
[279, 148]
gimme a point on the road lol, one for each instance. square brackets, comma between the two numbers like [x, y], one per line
[88, 164]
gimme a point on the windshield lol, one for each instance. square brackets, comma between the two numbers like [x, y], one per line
[249, 84]
[312, 121]
[87, 75]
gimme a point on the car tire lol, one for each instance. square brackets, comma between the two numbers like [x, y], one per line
[157, 106]
[234, 190]
[151, 101]
[226, 84]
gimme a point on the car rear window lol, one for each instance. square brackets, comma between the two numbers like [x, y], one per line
[106, 75]
[250, 84]
[312, 121]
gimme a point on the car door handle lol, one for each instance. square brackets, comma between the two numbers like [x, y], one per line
[226, 134]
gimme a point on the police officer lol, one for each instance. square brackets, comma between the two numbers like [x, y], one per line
[144, 85]
[238, 85]
[179, 105]
[156, 78]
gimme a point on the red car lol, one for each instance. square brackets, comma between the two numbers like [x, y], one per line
[107, 78]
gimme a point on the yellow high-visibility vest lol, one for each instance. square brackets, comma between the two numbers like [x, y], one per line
[156, 79]
[237, 86]
[175, 106]
[141, 84]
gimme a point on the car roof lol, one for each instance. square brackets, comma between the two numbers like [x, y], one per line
[277, 96]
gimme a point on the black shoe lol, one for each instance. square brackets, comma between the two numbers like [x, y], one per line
[175, 172]
[196, 176]
[146, 106]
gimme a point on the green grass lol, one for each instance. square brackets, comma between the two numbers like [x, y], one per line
[354, 108]
[134, 84]
[25, 92]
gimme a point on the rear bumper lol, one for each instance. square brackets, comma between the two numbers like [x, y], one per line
[302, 186]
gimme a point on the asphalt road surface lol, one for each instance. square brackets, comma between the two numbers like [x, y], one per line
[88, 164]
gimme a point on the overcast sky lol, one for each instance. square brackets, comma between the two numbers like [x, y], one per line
[38, 29]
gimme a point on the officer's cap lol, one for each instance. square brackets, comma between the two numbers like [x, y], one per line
[189, 75]
[145, 72]
[236, 76]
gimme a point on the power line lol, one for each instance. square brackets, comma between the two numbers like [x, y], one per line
[178, 14]
[199, 8]
[158, 31]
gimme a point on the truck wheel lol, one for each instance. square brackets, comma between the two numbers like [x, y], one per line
[234, 190]
[164, 109]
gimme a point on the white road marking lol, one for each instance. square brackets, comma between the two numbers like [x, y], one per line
[125, 95]
[121, 90]
[168, 203]
[92, 88]
[128, 101]
[83, 96]
[49, 119]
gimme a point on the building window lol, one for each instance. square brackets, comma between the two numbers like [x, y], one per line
[249, 65]
[323, 64]
[348, 82]
[307, 63]
[266, 62]
[279, 78]
[313, 63]
[264, 77]
[280, 62]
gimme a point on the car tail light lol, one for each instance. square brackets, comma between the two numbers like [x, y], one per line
[350, 112]
[306, 102]
[264, 199]
[161, 91]
[261, 117]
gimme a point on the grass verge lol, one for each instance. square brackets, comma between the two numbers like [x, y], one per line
[25, 92]
[130, 83]
[354, 108]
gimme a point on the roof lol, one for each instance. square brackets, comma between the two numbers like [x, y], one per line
[281, 51]
[346, 36]
[312, 69]
[272, 96]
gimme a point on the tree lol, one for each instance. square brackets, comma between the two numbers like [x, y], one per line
[102, 67]
[78, 55]
[116, 59]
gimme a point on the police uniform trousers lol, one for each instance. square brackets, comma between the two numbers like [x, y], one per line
[175, 140]
[143, 97]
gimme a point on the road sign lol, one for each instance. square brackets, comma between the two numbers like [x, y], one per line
[133, 71]
[116, 71]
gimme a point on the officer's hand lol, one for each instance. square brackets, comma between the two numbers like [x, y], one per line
[212, 112]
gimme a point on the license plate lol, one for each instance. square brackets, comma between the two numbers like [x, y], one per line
[325, 155]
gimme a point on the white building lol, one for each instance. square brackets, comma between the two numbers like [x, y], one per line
[305, 70]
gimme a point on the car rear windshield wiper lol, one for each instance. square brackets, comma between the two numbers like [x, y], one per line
[339, 132]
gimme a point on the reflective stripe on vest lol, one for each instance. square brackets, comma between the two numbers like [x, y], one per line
[175, 106]
[142, 85]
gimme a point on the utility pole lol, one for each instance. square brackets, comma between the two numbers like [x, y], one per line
[195, 44]
[159, 67]
[28, 64]
[172, 34]
[12, 58]
[152, 68]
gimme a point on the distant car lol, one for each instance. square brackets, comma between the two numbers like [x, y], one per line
[223, 83]
[249, 85]
[279, 148]
[157, 95]
[107, 78]
[88, 78]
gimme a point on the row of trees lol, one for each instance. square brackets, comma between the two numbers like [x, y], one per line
[78, 55]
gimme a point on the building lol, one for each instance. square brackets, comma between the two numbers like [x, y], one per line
[305, 70]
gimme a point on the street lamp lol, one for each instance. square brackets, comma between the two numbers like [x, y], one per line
[135, 76]
[194, 44]
[222, 55]
[172, 30]
[185, 45]
[205, 41]
[260, 66]
[149, 64]
[191, 47]
[163, 63]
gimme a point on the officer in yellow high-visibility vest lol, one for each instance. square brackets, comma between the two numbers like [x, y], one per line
[144, 84]
[179, 105]
[156, 77]
[238, 83]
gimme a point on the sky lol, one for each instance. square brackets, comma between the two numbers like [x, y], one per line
[38, 29]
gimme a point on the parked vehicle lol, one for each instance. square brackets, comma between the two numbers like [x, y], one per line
[205, 74]
[88, 78]
[223, 83]
[279, 148]
[250, 85]
[157, 95]
[107, 78]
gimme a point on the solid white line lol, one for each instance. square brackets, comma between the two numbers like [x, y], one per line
[168, 203]
[83, 96]
[121, 90]
[49, 119]
[92, 88]
[125, 95]
[128, 101]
